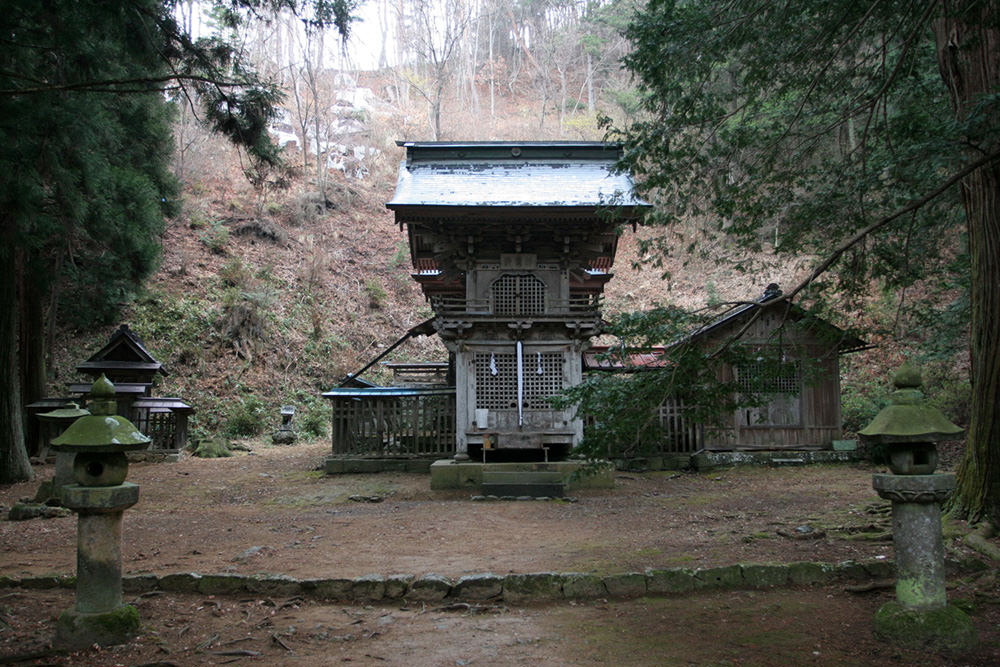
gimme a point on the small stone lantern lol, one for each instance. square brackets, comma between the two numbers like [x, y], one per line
[909, 430]
[57, 421]
[100, 497]
[285, 435]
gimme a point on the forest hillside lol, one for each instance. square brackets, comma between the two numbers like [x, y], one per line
[274, 283]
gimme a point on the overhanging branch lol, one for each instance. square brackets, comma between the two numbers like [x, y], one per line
[875, 226]
[146, 84]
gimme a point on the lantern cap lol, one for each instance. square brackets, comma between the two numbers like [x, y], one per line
[907, 376]
[103, 430]
[908, 418]
[69, 411]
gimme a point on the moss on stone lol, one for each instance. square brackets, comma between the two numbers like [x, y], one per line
[729, 576]
[396, 585]
[123, 621]
[212, 448]
[947, 628]
[627, 585]
[534, 586]
[478, 586]
[369, 587]
[672, 580]
[430, 588]
[765, 576]
[77, 630]
[220, 584]
[180, 582]
[582, 585]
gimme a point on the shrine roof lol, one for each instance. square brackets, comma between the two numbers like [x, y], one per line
[549, 174]
[607, 358]
[124, 351]
[773, 298]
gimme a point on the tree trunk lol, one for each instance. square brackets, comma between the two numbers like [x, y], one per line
[14, 465]
[32, 353]
[562, 100]
[968, 50]
[493, 108]
[591, 105]
[436, 110]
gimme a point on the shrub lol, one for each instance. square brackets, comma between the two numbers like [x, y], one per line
[235, 273]
[376, 293]
[216, 238]
[244, 323]
[246, 418]
[859, 405]
[402, 255]
[314, 422]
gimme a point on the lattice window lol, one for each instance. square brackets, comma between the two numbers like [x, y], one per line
[764, 377]
[538, 386]
[518, 294]
[779, 384]
[496, 381]
[498, 391]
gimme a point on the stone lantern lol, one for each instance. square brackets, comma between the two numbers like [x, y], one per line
[100, 497]
[909, 430]
[57, 421]
[285, 435]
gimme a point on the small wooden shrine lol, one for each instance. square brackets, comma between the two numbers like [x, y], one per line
[126, 362]
[512, 244]
[802, 392]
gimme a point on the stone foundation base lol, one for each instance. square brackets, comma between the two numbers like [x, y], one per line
[339, 466]
[451, 474]
[946, 628]
[76, 630]
[706, 460]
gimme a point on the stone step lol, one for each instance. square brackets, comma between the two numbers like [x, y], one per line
[534, 490]
[522, 476]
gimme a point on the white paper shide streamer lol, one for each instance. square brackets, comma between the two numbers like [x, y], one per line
[520, 384]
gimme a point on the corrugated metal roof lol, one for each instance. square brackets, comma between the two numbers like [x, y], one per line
[506, 174]
[597, 358]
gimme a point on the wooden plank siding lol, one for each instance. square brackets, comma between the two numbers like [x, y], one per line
[818, 420]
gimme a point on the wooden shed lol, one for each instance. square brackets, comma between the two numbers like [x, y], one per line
[802, 390]
[797, 373]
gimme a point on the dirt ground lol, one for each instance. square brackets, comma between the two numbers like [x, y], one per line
[273, 511]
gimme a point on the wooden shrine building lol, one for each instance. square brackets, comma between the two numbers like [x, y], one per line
[512, 244]
[132, 369]
[801, 393]
[802, 409]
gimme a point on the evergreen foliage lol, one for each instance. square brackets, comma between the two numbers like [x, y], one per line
[792, 126]
[84, 148]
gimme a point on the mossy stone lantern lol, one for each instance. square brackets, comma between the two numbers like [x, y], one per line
[57, 421]
[99, 496]
[910, 429]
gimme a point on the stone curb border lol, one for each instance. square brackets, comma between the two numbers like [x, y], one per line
[509, 588]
